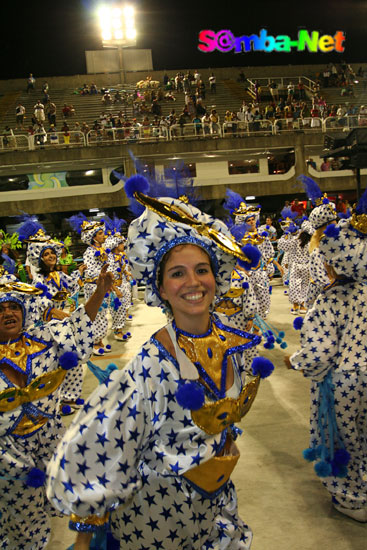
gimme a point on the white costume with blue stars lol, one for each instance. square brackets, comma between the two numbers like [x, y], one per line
[299, 262]
[30, 432]
[127, 451]
[94, 258]
[239, 305]
[118, 266]
[333, 338]
[318, 277]
[56, 282]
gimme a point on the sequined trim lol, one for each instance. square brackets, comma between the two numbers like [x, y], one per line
[89, 524]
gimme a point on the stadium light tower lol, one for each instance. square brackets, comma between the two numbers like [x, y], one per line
[117, 23]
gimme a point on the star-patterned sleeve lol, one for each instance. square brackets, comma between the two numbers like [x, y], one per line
[94, 263]
[318, 272]
[286, 243]
[74, 334]
[95, 467]
[319, 340]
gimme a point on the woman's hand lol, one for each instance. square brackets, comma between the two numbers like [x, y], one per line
[287, 361]
[105, 280]
[59, 314]
[82, 268]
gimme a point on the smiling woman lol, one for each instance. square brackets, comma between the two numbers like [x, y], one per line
[173, 408]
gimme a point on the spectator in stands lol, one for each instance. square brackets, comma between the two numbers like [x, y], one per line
[68, 111]
[66, 136]
[51, 113]
[214, 123]
[298, 207]
[19, 115]
[290, 91]
[205, 120]
[93, 89]
[311, 162]
[77, 134]
[273, 87]
[213, 83]
[362, 117]
[325, 165]
[241, 77]
[31, 82]
[107, 98]
[301, 90]
[8, 137]
[169, 96]
[201, 90]
[197, 77]
[84, 128]
[85, 89]
[200, 108]
[198, 128]
[40, 135]
[53, 136]
[39, 111]
[117, 98]
[335, 164]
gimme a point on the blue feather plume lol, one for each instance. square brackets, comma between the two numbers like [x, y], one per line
[29, 227]
[238, 231]
[361, 207]
[311, 188]
[8, 264]
[76, 221]
[288, 213]
[232, 201]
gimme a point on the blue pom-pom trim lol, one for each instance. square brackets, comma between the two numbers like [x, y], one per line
[68, 360]
[79, 401]
[264, 234]
[323, 468]
[262, 366]
[97, 253]
[341, 457]
[66, 409]
[325, 201]
[108, 346]
[190, 395]
[136, 183]
[309, 454]
[108, 250]
[284, 345]
[253, 254]
[332, 231]
[297, 323]
[245, 285]
[35, 478]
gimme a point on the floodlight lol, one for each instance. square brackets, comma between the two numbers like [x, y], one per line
[117, 25]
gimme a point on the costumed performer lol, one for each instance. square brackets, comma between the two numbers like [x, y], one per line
[154, 446]
[333, 356]
[95, 257]
[33, 363]
[120, 297]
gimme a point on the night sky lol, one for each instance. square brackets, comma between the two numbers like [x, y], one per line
[49, 39]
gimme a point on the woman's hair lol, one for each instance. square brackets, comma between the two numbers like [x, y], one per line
[43, 268]
[304, 238]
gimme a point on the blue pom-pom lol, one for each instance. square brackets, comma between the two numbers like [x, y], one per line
[124, 337]
[309, 454]
[68, 360]
[245, 285]
[97, 253]
[323, 468]
[267, 345]
[278, 340]
[35, 478]
[66, 409]
[253, 254]
[271, 339]
[320, 450]
[281, 334]
[262, 367]
[190, 396]
[118, 270]
[116, 304]
[286, 283]
[264, 234]
[332, 231]
[284, 345]
[108, 250]
[101, 350]
[136, 183]
[79, 401]
[342, 457]
[342, 471]
[130, 317]
[297, 323]
[325, 201]
[128, 334]
[133, 282]
[108, 346]
[267, 226]
[270, 290]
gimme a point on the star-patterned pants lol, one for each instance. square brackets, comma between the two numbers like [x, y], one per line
[71, 388]
[100, 323]
[260, 281]
[351, 415]
[25, 511]
[168, 513]
[299, 279]
[119, 315]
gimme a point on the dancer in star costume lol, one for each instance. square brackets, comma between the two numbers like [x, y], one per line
[153, 448]
[33, 363]
[120, 298]
[333, 356]
[95, 257]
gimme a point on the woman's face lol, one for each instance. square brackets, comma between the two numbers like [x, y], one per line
[188, 285]
[252, 223]
[11, 320]
[120, 247]
[99, 237]
[49, 258]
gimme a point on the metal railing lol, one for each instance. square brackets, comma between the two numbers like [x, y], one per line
[198, 130]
